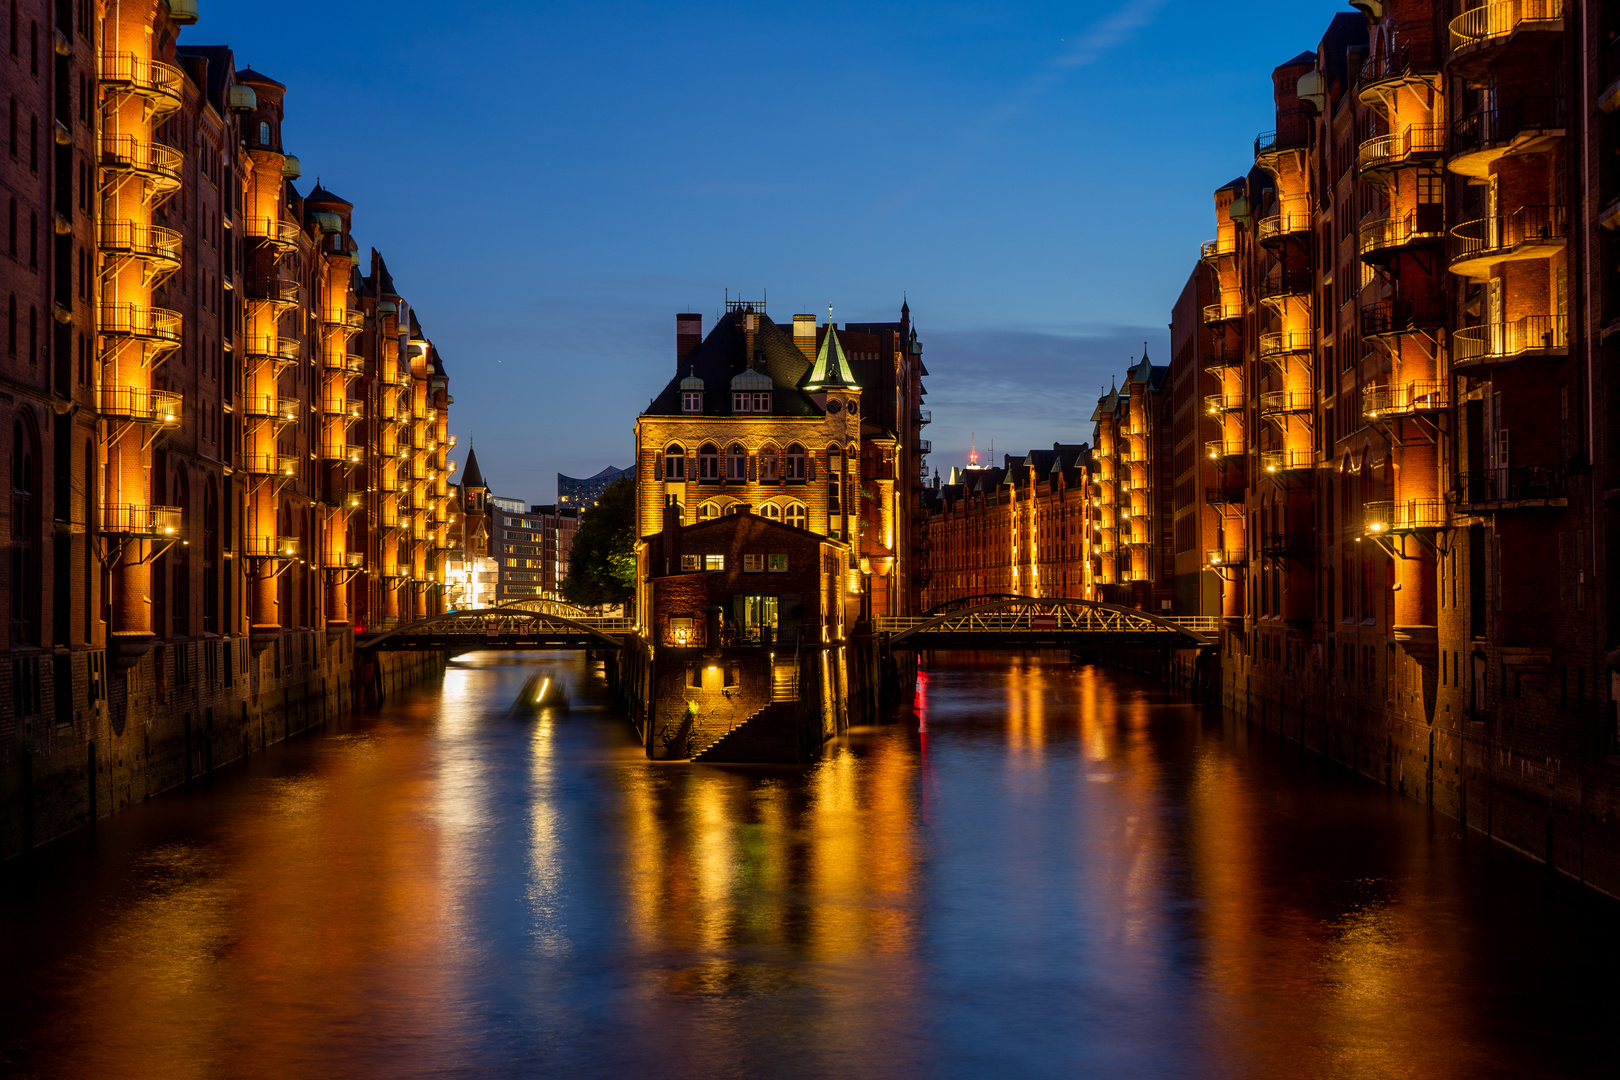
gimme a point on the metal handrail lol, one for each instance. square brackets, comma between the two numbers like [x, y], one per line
[274, 348]
[1408, 515]
[160, 165]
[150, 242]
[272, 547]
[1386, 402]
[1219, 448]
[1489, 22]
[277, 231]
[1222, 311]
[137, 321]
[270, 464]
[1275, 461]
[1226, 557]
[1275, 344]
[162, 84]
[1397, 147]
[1285, 401]
[1399, 315]
[1484, 237]
[160, 407]
[1488, 127]
[1519, 483]
[130, 519]
[1214, 404]
[283, 410]
[1505, 340]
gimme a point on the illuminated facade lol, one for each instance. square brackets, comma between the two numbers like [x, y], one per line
[1407, 324]
[1021, 528]
[808, 425]
[227, 441]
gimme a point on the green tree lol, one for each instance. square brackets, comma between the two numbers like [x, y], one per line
[602, 563]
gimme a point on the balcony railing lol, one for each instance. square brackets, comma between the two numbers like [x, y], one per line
[1412, 144]
[161, 167]
[1218, 449]
[1526, 126]
[1224, 496]
[1383, 237]
[346, 362]
[1222, 357]
[924, 416]
[272, 547]
[341, 406]
[1226, 557]
[394, 375]
[270, 464]
[276, 291]
[1530, 232]
[1500, 342]
[152, 243]
[139, 405]
[1288, 221]
[151, 522]
[1488, 24]
[282, 350]
[1283, 284]
[1269, 145]
[152, 325]
[1277, 345]
[1407, 63]
[1393, 402]
[1402, 315]
[279, 234]
[348, 453]
[1287, 545]
[1216, 404]
[1211, 250]
[1527, 484]
[269, 407]
[1281, 461]
[161, 84]
[1224, 311]
[345, 319]
[1409, 515]
[1282, 402]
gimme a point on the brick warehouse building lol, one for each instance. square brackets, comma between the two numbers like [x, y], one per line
[1407, 340]
[227, 430]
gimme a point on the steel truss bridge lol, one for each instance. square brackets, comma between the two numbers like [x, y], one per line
[1022, 622]
[529, 624]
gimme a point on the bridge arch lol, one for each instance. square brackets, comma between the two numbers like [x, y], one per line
[468, 630]
[1026, 620]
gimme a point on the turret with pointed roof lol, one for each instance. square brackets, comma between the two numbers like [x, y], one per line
[832, 367]
[473, 477]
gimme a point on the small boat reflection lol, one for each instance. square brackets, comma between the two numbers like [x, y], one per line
[541, 692]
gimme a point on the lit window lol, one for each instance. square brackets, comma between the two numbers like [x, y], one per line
[776, 562]
[691, 562]
[769, 464]
[736, 463]
[708, 463]
[796, 516]
[762, 402]
[771, 511]
[714, 562]
[675, 463]
[708, 512]
[692, 401]
[753, 564]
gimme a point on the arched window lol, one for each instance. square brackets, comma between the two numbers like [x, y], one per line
[771, 511]
[794, 467]
[264, 133]
[708, 512]
[736, 463]
[25, 539]
[835, 470]
[770, 465]
[674, 462]
[731, 509]
[796, 516]
[708, 463]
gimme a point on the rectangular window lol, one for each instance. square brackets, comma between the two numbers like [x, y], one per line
[714, 562]
[777, 563]
[692, 401]
[691, 562]
[753, 564]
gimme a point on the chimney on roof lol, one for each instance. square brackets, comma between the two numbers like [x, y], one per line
[688, 336]
[804, 335]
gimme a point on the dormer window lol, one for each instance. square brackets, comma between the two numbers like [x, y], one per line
[691, 401]
[751, 403]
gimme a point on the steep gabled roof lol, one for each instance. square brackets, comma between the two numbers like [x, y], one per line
[720, 357]
[473, 477]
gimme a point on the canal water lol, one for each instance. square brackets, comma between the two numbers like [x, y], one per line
[1067, 872]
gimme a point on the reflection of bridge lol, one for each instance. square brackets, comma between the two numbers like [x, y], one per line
[1022, 622]
[530, 624]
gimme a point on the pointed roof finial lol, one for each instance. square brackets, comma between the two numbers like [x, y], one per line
[831, 367]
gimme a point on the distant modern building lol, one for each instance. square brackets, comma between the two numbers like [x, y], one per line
[581, 495]
[532, 549]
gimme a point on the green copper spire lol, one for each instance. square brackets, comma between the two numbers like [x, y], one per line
[832, 369]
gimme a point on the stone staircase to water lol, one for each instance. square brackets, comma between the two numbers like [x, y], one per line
[769, 735]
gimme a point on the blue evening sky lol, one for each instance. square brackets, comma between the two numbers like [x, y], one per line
[551, 182]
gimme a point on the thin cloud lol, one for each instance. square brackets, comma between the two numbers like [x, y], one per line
[1114, 31]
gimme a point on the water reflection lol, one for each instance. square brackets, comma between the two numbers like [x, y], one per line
[1045, 870]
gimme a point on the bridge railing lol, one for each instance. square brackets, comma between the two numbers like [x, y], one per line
[1072, 620]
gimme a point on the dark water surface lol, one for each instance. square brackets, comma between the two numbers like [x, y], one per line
[1070, 873]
